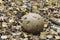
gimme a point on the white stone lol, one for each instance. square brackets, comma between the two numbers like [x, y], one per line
[24, 6]
[25, 38]
[17, 33]
[49, 36]
[11, 20]
[4, 36]
[4, 24]
[58, 30]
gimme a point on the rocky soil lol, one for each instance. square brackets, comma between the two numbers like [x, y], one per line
[11, 12]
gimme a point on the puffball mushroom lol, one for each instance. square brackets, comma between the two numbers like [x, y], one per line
[32, 22]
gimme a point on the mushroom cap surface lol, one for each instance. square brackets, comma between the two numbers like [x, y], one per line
[32, 22]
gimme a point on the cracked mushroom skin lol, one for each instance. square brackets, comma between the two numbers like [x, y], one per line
[32, 22]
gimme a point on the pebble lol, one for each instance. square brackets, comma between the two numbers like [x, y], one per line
[57, 37]
[42, 36]
[18, 27]
[11, 20]
[58, 30]
[55, 21]
[1, 1]
[25, 0]
[4, 36]
[21, 39]
[4, 24]
[25, 38]
[17, 33]
[24, 6]
[53, 32]
[25, 35]
[49, 36]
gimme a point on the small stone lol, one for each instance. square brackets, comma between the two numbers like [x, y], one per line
[42, 36]
[10, 8]
[53, 32]
[46, 25]
[25, 38]
[4, 24]
[24, 6]
[23, 9]
[21, 39]
[13, 39]
[25, 0]
[58, 30]
[49, 36]
[11, 20]
[13, 33]
[1, 18]
[47, 0]
[57, 37]
[43, 33]
[18, 27]
[25, 35]
[4, 36]
[13, 4]
[1, 1]
[15, 12]
[17, 33]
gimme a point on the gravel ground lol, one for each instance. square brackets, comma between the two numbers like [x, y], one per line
[11, 12]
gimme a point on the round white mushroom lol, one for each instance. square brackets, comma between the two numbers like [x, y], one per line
[32, 22]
